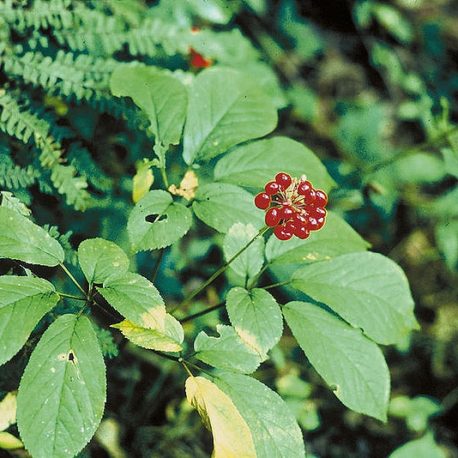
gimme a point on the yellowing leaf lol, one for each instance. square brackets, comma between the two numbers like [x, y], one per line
[188, 186]
[9, 442]
[142, 182]
[231, 435]
[8, 411]
[167, 336]
[108, 437]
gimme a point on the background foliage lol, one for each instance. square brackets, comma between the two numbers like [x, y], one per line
[369, 86]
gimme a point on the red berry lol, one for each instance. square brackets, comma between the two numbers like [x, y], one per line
[198, 60]
[302, 232]
[321, 198]
[304, 187]
[291, 226]
[282, 233]
[320, 222]
[262, 200]
[312, 224]
[317, 212]
[286, 212]
[300, 219]
[272, 188]
[283, 179]
[272, 217]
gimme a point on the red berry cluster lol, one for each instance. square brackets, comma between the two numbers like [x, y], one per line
[293, 207]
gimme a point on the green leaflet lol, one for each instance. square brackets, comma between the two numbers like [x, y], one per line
[166, 335]
[256, 317]
[23, 240]
[100, 259]
[62, 392]
[273, 427]
[162, 97]
[23, 302]
[220, 206]
[136, 298]
[225, 108]
[351, 364]
[335, 238]
[366, 289]
[228, 351]
[425, 447]
[173, 221]
[256, 163]
[250, 262]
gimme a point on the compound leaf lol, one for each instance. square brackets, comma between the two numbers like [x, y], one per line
[225, 108]
[273, 427]
[368, 290]
[100, 259]
[23, 240]
[156, 221]
[62, 393]
[227, 351]
[351, 364]
[23, 302]
[256, 317]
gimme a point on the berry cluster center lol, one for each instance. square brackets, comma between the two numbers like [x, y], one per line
[293, 206]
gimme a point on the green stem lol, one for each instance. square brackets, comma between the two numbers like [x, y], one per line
[257, 276]
[73, 279]
[71, 296]
[275, 285]
[201, 313]
[157, 265]
[221, 270]
[164, 177]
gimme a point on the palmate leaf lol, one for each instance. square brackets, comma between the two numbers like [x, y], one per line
[23, 302]
[273, 427]
[335, 238]
[221, 205]
[100, 259]
[231, 435]
[225, 108]
[348, 361]
[228, 351]
[62, 393]
[256, 163]
[256, 317]
[170, 221]
[23, 240]
[366, 289]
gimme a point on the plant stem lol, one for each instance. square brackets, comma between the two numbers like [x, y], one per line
[275, 285]
[73, 279]
[71, 296]
[221, 270]
[164, 177]
[257, 276]
[201, 313]
[157, 265]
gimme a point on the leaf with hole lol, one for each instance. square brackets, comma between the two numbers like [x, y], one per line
[350, 363]
[62, 393]
[157, 221]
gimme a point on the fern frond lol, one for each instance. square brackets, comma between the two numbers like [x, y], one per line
[14, 177]
[64, 239]
[24, 125]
